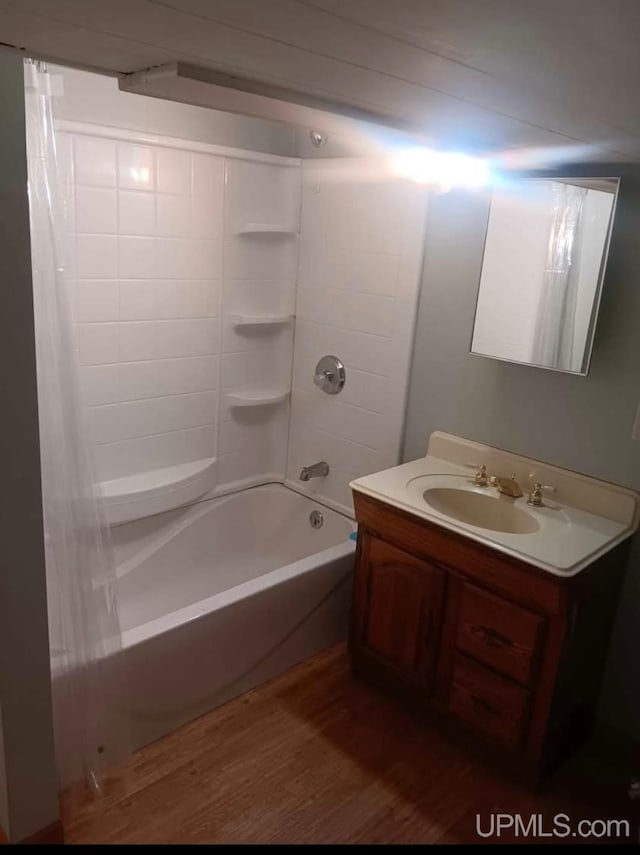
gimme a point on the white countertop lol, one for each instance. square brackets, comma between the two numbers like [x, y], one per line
[569, 537]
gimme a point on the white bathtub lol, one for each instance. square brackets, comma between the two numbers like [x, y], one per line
[220, 596]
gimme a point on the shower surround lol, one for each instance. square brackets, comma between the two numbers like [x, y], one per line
[360, 264]
[166, 259]
[186, 289]
[207, 282]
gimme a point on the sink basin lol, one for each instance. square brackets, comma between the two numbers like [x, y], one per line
[494, 513]
[585, 519]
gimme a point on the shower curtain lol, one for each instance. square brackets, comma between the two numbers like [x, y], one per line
[89, 700]
[554, 330]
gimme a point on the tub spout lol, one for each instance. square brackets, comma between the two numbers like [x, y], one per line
[316, 470]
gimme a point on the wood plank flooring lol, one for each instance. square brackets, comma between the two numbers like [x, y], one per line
[316, 756]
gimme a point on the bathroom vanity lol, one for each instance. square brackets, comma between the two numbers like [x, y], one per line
[484, 610]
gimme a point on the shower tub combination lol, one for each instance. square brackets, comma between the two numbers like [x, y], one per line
[217, 597]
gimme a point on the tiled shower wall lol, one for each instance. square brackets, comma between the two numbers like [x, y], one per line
[169, 246]
[157, 265]
[360, 263]
[260, 280]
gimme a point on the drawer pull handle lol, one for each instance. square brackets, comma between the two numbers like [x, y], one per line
[484, 705]
[492, 637]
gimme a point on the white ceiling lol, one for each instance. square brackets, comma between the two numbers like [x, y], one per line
[480, 74]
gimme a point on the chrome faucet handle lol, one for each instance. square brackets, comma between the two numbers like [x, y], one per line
[481, 478]
[322, 378]
[536, 495]
[329, 375]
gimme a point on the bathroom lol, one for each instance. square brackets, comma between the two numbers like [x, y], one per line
[260, 313]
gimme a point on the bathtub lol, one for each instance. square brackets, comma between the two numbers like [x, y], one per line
[220, 596]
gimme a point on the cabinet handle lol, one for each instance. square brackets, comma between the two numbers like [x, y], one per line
[492, 637]
[485, 706]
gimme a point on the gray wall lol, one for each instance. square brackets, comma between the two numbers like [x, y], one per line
[30, 799]
[582, 423]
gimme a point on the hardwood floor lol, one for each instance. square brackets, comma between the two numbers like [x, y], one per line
[316, 756]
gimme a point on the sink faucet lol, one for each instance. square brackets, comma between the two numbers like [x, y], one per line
[316, 470]
[507, 486]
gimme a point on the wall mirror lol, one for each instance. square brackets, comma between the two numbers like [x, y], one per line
[544, 259]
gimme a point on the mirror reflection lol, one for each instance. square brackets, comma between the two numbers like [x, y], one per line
[544, 258]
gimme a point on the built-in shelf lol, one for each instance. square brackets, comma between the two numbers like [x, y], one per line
[256, 397]
[145, 493]
[259, 320]
[266, 228]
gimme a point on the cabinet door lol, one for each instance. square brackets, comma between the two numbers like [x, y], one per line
[401, 610]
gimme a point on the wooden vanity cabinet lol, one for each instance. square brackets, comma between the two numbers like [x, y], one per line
[493, 648]
[404, 611]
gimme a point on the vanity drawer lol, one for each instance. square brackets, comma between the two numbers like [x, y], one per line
[497, 632]
[487, 702]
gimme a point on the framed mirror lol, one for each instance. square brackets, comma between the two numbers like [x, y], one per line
[543, 266]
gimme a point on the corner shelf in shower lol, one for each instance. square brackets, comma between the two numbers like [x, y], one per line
[266, 229]
[256, 397]
[145, 493]
[260, 320]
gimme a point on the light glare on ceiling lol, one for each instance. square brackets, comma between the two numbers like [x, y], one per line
[440, 168]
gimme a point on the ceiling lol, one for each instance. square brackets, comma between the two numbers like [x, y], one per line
[558, 77]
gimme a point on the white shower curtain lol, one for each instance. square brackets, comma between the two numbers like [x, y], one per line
[89, 701]
[555, 322]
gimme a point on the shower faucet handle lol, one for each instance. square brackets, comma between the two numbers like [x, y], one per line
[329, 375]
[322, 378]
